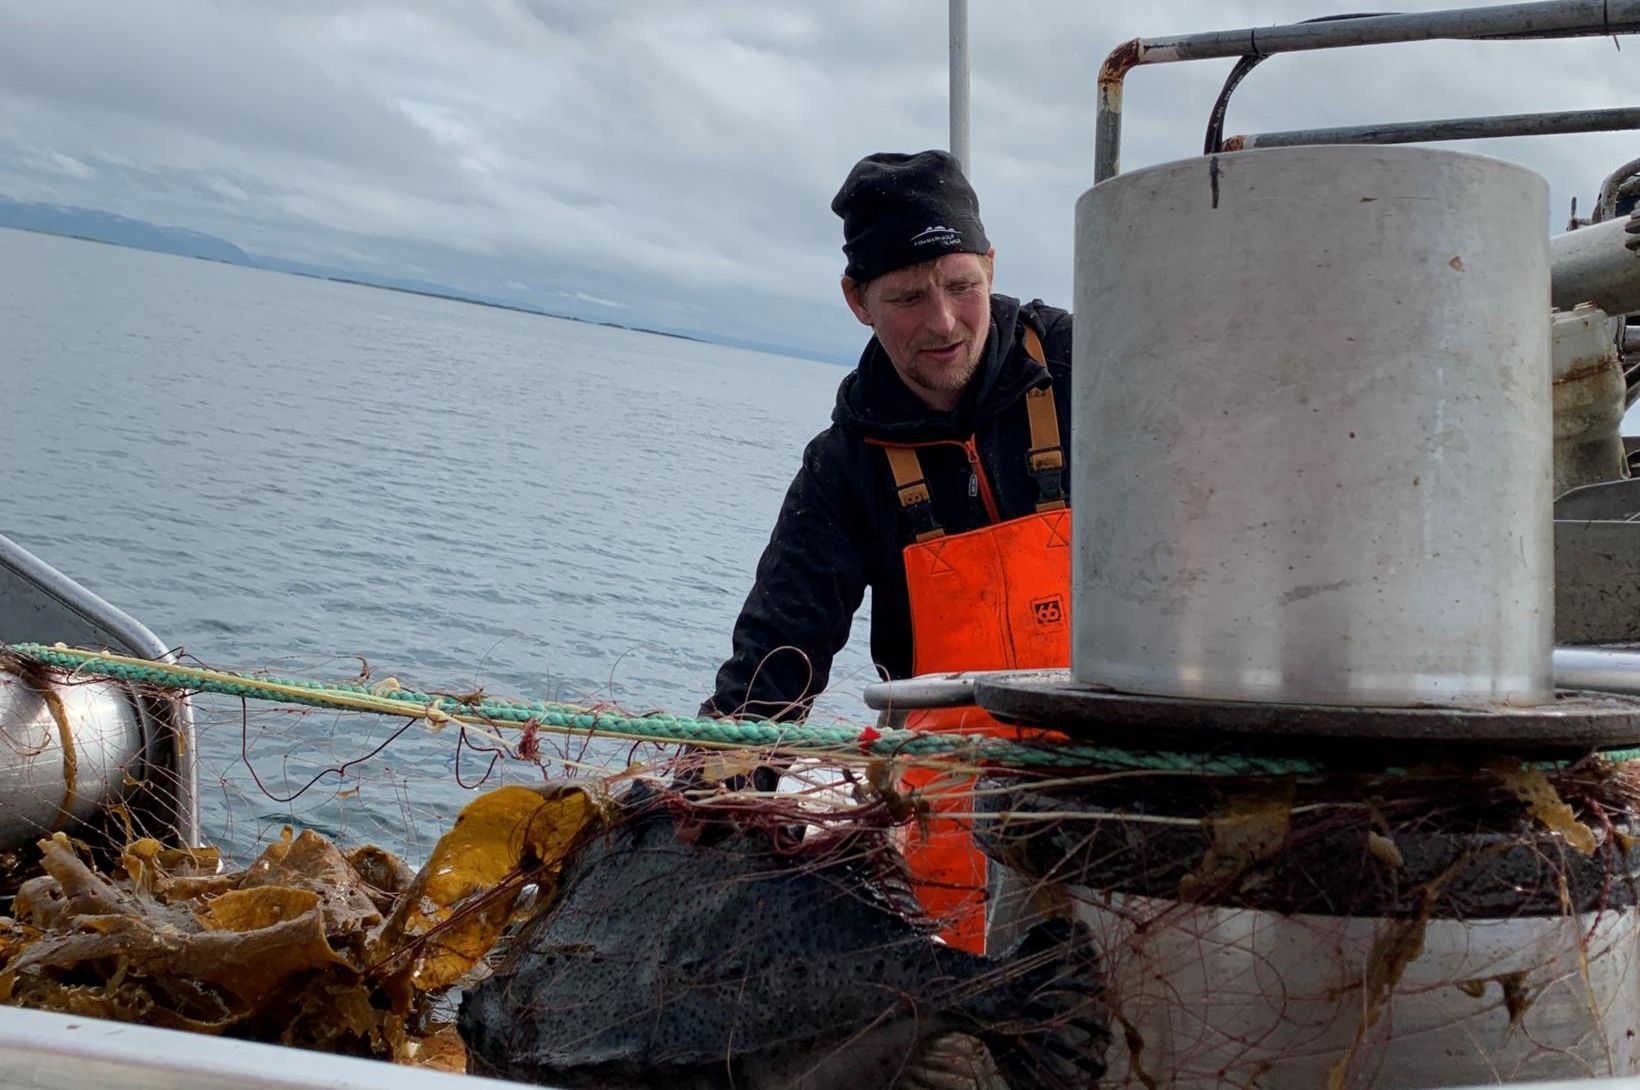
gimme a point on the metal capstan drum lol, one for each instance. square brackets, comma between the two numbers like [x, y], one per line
[1312, 446]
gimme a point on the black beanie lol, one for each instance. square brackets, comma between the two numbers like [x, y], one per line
[901, 209]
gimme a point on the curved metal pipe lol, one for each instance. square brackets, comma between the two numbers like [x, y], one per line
[1544, 19]
[1594, 265]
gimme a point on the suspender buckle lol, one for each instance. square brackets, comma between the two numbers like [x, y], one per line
[1045, 466]
[915, 495]
[918, 505]
[912, 487]
[919, 508]
[1046, 460]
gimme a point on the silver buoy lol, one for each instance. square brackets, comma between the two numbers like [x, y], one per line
[65, 751]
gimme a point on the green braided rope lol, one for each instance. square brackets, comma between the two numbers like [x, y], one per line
[751, 734]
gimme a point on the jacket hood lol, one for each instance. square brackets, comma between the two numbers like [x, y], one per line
[874, 402]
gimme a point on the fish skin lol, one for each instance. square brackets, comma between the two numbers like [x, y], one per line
[717, 958]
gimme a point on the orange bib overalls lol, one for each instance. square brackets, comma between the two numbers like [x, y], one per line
[995, 598]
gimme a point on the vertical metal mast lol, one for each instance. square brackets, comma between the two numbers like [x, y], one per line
[959, 82]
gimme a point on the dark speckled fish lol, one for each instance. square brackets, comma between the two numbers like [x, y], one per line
[687, 955]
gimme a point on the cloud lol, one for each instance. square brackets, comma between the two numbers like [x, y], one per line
[680, 158]
[596, 301]
[55, 162]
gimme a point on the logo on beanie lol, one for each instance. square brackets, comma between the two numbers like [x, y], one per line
[935, 234]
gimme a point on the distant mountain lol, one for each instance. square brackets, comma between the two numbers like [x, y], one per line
[88, 223]
[56, 219]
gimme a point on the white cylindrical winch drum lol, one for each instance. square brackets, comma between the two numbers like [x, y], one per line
[1312, 408]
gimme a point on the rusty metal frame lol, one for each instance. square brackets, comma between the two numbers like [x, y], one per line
[1554, 19]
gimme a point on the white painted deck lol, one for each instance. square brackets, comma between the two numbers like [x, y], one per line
[44, 1051]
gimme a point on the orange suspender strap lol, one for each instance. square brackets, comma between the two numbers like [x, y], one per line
[1046, 460]
[913, 489]
[1033, 346]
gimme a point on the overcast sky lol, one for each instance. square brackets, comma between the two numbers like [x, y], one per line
[672, 161]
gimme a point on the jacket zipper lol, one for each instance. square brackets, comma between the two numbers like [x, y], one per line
[970, 447]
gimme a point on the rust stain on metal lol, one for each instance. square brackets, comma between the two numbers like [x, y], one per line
[1122, 59]
[1585, 371]
[1456, 263]
[1115, 69]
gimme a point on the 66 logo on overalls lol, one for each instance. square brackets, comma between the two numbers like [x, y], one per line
[1048, 611]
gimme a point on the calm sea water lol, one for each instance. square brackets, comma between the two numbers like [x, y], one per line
[280, 473]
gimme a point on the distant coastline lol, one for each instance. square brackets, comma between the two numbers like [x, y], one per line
[479, 301]
[91, 225]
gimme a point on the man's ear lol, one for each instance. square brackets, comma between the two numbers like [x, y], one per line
[854, 294]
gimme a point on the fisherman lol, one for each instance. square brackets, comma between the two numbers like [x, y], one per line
[941, 484]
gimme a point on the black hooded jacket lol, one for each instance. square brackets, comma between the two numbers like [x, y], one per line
[841, 528]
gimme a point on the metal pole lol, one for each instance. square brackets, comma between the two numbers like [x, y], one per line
[959, 83]
[1597, 668]
[1552, 19]
[1457, 128]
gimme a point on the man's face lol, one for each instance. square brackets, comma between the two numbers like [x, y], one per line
[932, 320]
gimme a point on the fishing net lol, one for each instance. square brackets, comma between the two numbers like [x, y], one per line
[627, 912]
[1455, 923]
[305, 801]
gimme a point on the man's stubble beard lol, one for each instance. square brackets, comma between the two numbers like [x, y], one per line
[953, 382]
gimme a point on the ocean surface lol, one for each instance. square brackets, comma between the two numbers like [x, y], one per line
[287, 474]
